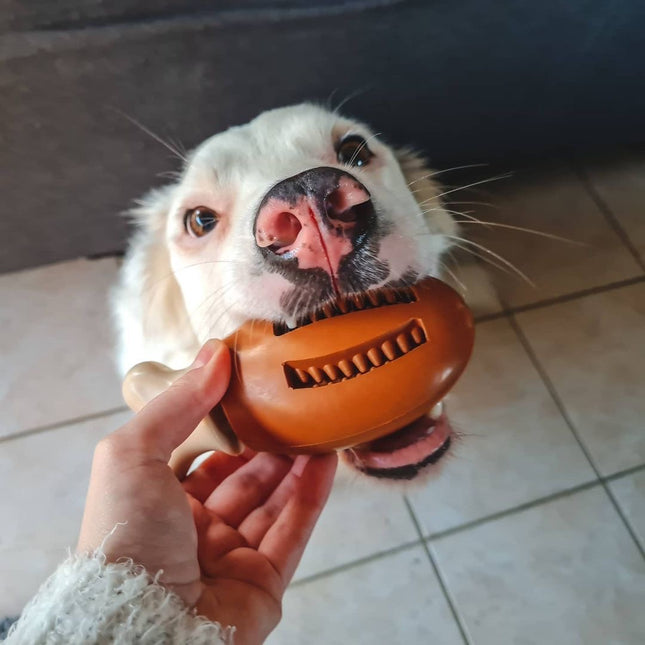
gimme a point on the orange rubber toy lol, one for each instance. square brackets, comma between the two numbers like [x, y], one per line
[360, 368]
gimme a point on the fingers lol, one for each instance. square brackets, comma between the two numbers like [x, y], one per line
[215, 538]
[255, 526]
[285, 541]
[210, 474]
[248, 487]
[169, 418]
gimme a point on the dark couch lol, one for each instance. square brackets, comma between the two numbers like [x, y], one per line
[465, 80]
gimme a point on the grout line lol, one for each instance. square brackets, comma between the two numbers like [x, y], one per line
[606, 210]
[484, 318]
[437, 571]
[624, 518]
[61, 424]
[565, 415]
[356, 563]
[465, 526]
[625, 473]
[462, 527]
[512, 510]
[506, 311]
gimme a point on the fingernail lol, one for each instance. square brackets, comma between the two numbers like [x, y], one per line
[206, 353]
[299, 464]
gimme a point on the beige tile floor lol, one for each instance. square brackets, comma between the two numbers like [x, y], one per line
[532, 532]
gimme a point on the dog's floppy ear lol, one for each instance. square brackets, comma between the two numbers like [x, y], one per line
[150, 312]
[425, 189]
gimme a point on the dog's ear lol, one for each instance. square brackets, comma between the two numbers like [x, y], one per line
[151, 316]
[425, 189]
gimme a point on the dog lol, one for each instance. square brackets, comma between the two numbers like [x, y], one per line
[271, 220]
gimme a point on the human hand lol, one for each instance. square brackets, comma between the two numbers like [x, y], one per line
[227, 539]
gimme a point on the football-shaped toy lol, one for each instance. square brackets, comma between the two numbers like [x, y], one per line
[358, 369]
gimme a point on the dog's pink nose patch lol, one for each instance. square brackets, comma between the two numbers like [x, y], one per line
[278, 230]
[318, 234]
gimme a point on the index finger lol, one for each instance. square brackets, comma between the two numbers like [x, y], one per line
[212, 472]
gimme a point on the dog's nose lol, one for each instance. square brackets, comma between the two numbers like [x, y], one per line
[317, 217]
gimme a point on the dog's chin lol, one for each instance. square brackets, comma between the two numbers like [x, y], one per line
[405, 454]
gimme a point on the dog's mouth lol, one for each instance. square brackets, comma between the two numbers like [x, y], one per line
[404, 453]
[401, 454]
[342, 305]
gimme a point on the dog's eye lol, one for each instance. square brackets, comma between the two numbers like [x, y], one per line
[353, 151]
[200, 221]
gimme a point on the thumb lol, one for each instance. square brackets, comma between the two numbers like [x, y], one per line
[168, 419]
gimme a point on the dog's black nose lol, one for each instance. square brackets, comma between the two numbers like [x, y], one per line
[317, 217]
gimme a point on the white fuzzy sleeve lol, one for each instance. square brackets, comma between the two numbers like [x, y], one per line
[88, 601]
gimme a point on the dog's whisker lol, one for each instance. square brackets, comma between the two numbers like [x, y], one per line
[217, 294]
[485, 249]
[349, 97]
[466, 214]
[471, 219]
[329, 102]
[156, 137]
[225, 311]
[474, 203]
[196, 264]
[485, 259]
[214, 300]
[178, 145]
[418, 179]
[305, 303]
[424, 227]
[302, 304]
[450, 256]
[436, 173]
[157, 284]
[173, 175]
[469, 216]
[446, 210]
[504, 261]
[217, 301]
[507, 175]
[522, 229]
[453, 275]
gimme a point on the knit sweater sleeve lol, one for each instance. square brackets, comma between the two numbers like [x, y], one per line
[88, 601]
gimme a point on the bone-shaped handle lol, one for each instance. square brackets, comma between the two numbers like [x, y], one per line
[147, 380]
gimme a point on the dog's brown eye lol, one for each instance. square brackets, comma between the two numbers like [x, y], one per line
[353, 151]
[200, 221]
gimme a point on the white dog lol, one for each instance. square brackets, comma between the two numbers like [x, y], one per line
[271, 220]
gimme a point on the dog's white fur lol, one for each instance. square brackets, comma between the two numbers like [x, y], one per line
[177, 291]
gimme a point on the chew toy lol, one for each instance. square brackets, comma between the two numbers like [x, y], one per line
[358, 369]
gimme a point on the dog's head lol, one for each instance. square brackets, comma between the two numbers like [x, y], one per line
[270, 220]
